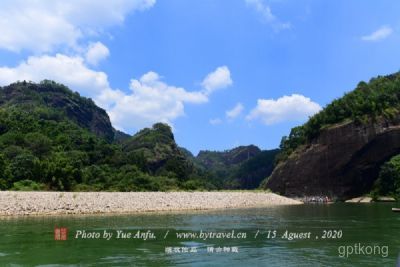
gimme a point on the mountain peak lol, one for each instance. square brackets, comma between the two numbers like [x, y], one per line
[60, 99]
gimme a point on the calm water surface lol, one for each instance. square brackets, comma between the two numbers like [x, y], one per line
[29, 241]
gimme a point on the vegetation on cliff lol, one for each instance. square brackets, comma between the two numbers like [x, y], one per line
[388, 182]
[379, 97]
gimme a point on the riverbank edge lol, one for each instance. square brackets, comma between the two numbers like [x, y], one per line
[38, 203]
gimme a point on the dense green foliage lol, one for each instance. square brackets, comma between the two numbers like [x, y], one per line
[53, 139]
[156, 151]
[388, 182]
[379, 97]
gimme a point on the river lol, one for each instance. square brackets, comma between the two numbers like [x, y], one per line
[323, 235]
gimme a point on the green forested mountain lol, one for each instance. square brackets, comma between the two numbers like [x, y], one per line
[158, 153]
[53, 139]
[243, 167]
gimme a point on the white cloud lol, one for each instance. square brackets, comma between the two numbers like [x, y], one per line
[70, 71]
[235, 111]
[218, 79]
[380, 34]
[215, 121]
[267, 16]
[96, 52]
[287, 108]
[150, 101]
[42, 26]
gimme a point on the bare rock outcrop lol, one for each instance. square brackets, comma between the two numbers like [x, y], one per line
[343, 162]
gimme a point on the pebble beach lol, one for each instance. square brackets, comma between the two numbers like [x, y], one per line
[15, 203]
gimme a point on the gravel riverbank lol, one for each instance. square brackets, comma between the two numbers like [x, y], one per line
[52, 203]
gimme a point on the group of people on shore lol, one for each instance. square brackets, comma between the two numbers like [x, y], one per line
[317, 199]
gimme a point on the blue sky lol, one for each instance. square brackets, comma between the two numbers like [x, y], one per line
[222, 73]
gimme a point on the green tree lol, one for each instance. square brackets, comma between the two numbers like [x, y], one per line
[39, 144]
[25, 166]
[2, 165]
[388, 182]
[64, 170]
[3, 180]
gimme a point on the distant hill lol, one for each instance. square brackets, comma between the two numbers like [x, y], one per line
[252, 172]
[243, 167]
[159, 151]
[214, 159]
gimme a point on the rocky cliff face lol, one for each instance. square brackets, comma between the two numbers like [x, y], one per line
[342, 162]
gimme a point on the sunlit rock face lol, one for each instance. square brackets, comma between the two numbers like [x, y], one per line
[343, 161]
